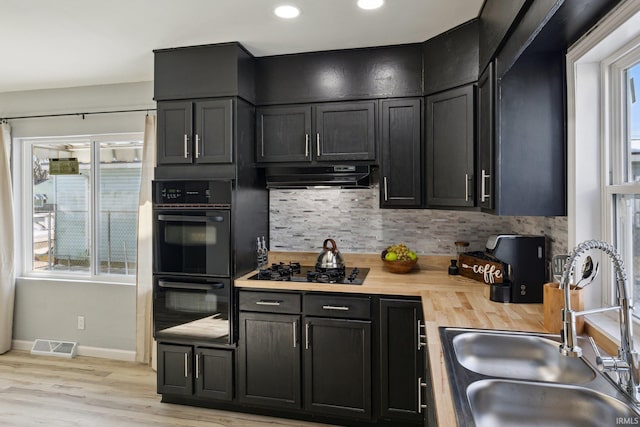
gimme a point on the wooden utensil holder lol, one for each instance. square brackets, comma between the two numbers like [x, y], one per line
[553, 303]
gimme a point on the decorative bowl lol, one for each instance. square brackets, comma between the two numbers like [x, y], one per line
[398, 267]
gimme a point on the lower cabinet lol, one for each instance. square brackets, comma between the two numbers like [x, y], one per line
[269, 360]
[195, 371]
[322, 352]
[405, 387]
[337, 360]
[347, 359]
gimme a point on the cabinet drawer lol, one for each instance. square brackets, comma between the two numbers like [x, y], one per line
[337, 306]
[272, 302]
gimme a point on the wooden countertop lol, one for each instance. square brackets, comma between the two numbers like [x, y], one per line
[446, 301]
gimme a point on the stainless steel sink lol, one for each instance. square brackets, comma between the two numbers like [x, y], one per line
[507, 403]
[525, 357]
[504, 378]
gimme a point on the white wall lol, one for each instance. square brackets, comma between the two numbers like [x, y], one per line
[46, 308]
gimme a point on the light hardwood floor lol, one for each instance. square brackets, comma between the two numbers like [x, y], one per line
[91, 392]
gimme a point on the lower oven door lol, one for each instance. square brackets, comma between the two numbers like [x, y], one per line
[193, 242]
[194, 308]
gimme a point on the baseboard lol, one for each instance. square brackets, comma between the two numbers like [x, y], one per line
[83, 350]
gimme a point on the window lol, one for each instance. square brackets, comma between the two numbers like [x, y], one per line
[85, 210]
[622, 186]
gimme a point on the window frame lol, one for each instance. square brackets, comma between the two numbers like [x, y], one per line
[24, 187]
[614, 184]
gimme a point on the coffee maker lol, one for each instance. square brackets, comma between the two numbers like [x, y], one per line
[526, 269]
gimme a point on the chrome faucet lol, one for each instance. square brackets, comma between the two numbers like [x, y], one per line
[627, 363]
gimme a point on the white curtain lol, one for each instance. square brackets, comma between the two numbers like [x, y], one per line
[7, 267]
[144, 278]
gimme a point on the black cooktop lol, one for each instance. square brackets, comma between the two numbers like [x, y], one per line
[294, 272]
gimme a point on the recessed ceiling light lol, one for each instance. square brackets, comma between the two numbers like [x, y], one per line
[287, 11]
[370, 4]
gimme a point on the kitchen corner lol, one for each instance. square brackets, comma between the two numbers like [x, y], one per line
[446, 301]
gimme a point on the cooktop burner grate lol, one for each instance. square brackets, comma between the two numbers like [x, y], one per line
[294, 272]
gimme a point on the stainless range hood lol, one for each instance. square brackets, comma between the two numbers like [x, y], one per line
[318, 177]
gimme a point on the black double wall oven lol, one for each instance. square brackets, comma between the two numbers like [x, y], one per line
[192, 283]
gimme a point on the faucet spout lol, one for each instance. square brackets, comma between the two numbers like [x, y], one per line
[627, 364]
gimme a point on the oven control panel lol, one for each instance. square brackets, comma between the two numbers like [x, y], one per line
[192, 192]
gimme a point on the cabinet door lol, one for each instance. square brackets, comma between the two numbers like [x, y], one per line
[269, 360]
[401, 153]
[450, 142]
[174, 132]
[485, 141]
[283, 134]
[175, 369]
[402, 359]
[214, 131]
[338, 367]
[345, 131]
[214, 373]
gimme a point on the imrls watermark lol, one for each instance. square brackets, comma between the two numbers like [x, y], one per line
[627, 421]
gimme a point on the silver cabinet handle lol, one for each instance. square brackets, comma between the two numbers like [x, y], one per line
[306, 336]
[422, 337]
[386, 193]
[197, 365]
[466, 187]
[294, 334]
[186, 365]
[197, 146]
[263, 302]
[484, 196]
[306, 145]
[318, 144]
[421, 385]
[335, 307]
[186, 146]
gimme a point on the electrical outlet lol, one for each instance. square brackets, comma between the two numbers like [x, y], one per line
[81, 322]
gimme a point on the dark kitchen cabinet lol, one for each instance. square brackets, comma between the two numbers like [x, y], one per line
[331, 132]
[450, 128]
[199, 371]
[401, 153]
[485, 137]
[283, 134]
[195, 132]
[345, 131]
[333, 345]
[269, 359]
[338, 367]
[405, 387]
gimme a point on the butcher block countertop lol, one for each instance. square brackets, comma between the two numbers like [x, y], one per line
[446, 300]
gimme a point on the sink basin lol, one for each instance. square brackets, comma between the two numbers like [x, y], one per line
[504, 402]
[525, 357]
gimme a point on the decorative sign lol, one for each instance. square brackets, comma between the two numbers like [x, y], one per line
[481, 269]
[67, 166]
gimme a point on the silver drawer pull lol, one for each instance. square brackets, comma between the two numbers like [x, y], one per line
[421, 385]
[186, 365]
[263, 302]
[335, 307]
[422, 337]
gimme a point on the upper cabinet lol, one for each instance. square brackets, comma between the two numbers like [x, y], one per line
[450, 121]
[217, 70]
[401, 153]
[195, 132]
[328, 132]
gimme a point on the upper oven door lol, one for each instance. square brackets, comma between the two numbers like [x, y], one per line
[196, 242]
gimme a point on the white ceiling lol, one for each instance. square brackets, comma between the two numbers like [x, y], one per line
[66, 43]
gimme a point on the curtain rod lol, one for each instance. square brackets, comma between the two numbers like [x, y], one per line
[4, 119]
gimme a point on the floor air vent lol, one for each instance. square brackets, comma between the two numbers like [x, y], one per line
[54, 348]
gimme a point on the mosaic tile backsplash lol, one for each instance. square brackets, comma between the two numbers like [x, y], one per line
[300, 220]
